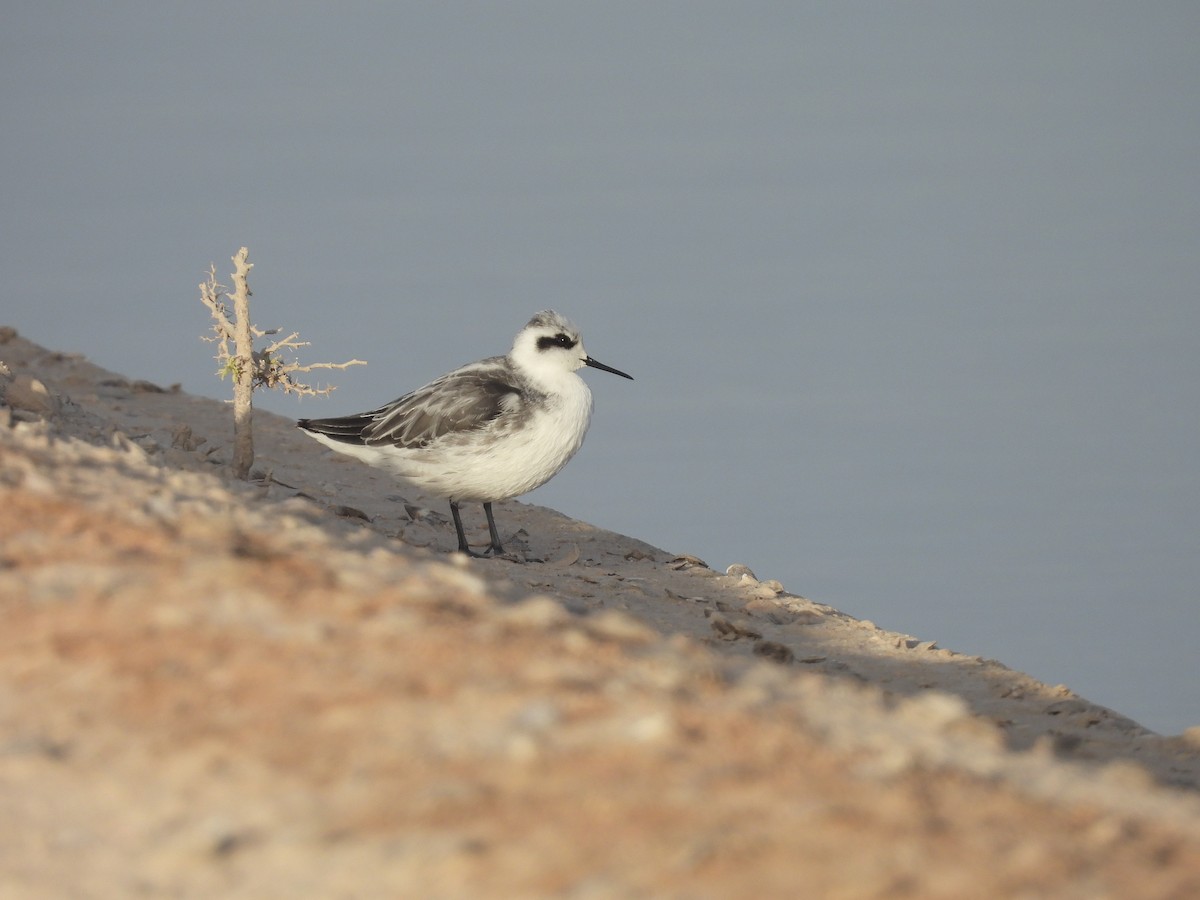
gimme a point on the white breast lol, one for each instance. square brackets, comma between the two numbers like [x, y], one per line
[512, 457]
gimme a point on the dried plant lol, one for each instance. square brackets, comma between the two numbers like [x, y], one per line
[234, 336]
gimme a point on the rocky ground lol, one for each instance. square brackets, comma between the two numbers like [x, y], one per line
[290, 687]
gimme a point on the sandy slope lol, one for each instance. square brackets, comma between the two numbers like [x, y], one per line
[289, 687]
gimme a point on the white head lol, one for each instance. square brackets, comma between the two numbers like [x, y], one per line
[550, 347]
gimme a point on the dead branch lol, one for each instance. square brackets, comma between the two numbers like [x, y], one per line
[252, 368]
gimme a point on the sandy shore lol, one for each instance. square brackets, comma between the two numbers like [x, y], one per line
[290, 687]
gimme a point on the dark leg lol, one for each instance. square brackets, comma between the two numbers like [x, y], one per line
[463, 547]
[497, 550]
[462, 537]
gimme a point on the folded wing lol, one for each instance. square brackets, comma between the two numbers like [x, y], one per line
[465, 400]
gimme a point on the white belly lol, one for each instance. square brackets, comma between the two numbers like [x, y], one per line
[509, 458]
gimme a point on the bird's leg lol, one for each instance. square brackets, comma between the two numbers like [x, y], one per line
[496, 549]
[463, 547]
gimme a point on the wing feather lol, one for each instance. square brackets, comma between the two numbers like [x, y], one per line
[464, 400]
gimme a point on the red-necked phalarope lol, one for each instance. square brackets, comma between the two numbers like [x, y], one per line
[491, 430]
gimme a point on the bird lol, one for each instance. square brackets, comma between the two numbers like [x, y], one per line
[490, 430]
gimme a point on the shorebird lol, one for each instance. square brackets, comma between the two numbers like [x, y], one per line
[491, 430]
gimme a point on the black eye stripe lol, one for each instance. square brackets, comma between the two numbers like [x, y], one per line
[559, 340]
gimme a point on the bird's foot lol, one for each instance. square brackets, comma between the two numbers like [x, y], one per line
[467, 551]
[494, 552]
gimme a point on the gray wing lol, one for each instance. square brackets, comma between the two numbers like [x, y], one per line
[466, 399]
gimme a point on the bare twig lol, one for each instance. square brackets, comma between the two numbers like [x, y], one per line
[248, 367]
[243, 384]
[273, 372]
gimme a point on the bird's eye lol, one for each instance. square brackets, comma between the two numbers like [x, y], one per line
[561, 339]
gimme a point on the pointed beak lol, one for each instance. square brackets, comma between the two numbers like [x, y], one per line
[588, 361]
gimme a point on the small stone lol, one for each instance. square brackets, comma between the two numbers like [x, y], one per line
[764, 606]
[740, 571]
[614, 625]
[774, 651]
[536, 613]
[420, 513]
[569, 558]
[182, 438]
[936, 709]
[763, 591]
[731, 629]
[915, 644]
[31, 395]
[230, 843]
[653, 727]
[1105, 832]
[538, 716]
[1127, 774]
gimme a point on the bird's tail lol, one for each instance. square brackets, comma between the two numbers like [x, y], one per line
[346, 429]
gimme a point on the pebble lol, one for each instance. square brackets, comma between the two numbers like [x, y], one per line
[537, 613]
[538, 716]
[614, 625]
[1127, 774]
[31, 395]
[936, 709]
[774, 651]
[651, 727]
[730, 629]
